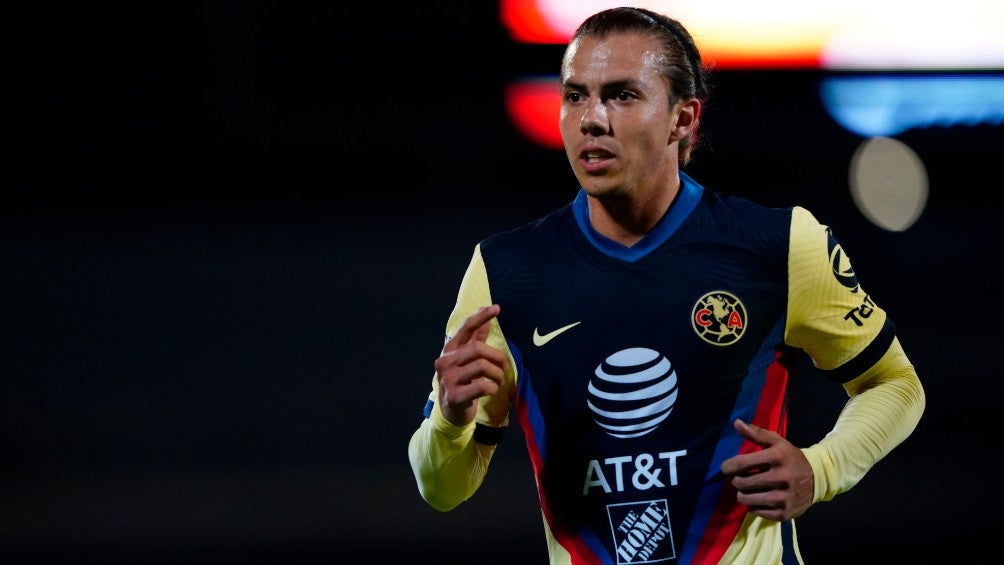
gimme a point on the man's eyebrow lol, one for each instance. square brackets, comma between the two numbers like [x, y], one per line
[607, 86]
[571, 85]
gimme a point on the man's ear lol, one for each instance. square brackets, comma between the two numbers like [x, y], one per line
[688, 112]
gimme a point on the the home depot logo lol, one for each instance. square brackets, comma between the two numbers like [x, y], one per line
[642, 533]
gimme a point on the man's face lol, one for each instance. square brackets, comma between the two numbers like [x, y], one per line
[616, 121]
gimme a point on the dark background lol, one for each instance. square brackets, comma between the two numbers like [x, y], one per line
[231, 233]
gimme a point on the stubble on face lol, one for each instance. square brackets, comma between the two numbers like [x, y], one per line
[621, 115]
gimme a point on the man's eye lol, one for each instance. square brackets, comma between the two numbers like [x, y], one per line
[623, 95]
[573, 97]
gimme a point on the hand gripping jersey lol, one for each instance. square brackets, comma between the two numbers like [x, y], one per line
[629, 365]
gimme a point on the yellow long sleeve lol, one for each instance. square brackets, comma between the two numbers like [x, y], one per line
[449, 465]
[885, 405]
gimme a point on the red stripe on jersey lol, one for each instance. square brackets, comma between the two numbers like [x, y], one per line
[573, 544]
[771, 414]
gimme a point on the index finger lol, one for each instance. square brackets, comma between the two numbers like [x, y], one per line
[473, 323]
[759, 436]
[745, 464]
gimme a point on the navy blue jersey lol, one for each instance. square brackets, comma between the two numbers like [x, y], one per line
[629, 365]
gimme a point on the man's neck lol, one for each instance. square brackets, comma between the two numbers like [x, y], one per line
[626, 219]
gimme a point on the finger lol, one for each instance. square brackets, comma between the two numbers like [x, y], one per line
[758, 480]
[471, 361]
[482, 331]
[745, 465]
[771, 511]
[464, 396]
[481, 351]
[750, 460]
[482, 374]
[476, 325]
[755, 434]
[463, 384]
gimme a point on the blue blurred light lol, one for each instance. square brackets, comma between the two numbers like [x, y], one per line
[885, 105]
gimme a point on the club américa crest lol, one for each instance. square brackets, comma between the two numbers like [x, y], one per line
[719, 318]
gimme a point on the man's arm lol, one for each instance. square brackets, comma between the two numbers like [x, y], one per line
[885, 405]
[473, 385]
[449, 465]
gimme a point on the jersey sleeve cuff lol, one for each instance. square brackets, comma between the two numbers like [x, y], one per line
[822, 472]
[449, 431]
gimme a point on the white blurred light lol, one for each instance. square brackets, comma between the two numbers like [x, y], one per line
[888, 183]
[902, 35]
[836, 34]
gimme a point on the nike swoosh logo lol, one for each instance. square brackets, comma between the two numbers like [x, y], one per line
[539, 340]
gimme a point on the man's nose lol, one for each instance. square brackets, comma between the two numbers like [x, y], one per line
[594, 118]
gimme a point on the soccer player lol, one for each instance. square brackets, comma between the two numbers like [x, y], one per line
[642, 336]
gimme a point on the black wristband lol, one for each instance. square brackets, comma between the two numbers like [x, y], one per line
[488, 435]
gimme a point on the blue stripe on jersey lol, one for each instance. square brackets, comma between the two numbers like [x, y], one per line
[788, 555]
[730, 440]
[683, 205]
[596, 545]
[534, 421]
[527, 396]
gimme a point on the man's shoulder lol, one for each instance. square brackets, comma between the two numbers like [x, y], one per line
[554, 220]
[541, 241]
[738, 204]
[742, 219]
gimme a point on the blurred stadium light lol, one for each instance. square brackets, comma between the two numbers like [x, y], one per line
[890, 65]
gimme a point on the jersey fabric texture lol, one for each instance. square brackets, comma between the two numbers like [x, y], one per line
[629, 365]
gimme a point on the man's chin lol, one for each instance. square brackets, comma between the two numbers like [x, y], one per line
[604, 191]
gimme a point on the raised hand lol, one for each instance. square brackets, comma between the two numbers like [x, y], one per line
[469, 368]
